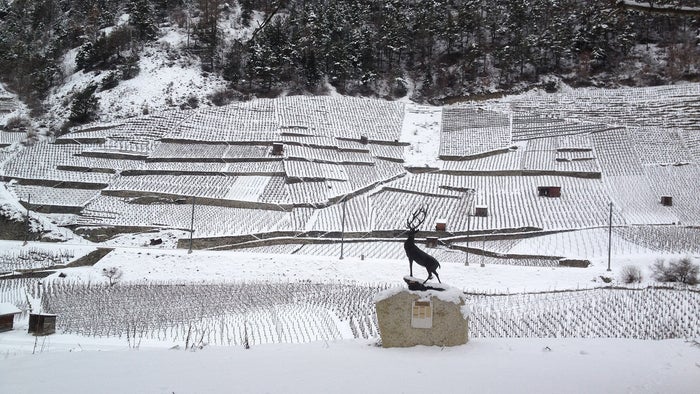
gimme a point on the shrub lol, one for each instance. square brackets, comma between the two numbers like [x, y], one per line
[111, 80]
[18, 124]
[631, 274]
[682, 270]
[113, 274]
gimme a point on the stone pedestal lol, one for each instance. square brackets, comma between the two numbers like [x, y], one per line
[431, 317]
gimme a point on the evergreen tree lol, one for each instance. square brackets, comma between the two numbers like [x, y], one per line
[142, 18]
[84, 106]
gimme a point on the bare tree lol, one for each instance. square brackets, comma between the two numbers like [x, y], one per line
[114, 274]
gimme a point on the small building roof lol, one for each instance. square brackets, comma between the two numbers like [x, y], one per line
[8, 309]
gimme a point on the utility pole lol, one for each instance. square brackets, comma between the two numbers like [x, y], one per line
[342, 229]
[469, 216]
[610, 235]
[191, 225]
[26, 220]
[483, 250]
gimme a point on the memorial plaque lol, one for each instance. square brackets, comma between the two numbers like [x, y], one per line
[422, 316]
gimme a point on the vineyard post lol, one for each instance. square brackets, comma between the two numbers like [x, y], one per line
[610, 235]
[191, 225]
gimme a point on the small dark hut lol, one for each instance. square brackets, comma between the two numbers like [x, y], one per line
[667, 201]
[7, 316]
[441, 225]
[277, 148]
[549, 191]
[481, 210]
[42, 324]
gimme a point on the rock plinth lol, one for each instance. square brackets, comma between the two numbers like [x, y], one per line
[434, 317]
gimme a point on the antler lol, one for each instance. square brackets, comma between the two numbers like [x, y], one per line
[417, 218]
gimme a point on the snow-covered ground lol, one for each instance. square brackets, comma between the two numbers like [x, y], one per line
[64, 364]
[60, 362]
[156, 264]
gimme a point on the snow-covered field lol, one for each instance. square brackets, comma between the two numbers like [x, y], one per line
[75, 365]
[500, 365]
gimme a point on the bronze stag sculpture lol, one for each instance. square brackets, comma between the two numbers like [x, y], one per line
[413, 252]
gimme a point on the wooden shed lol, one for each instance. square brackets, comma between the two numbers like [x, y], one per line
[549, 191]
[441, 225]
[481, 210]
[7, 316]
[42, 323]
[277, 148]
[667, 201]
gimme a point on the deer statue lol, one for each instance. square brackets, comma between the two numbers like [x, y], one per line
[413, 252]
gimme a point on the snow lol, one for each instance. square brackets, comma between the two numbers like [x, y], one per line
[447, 294]
[483, 365]
[6, 308]
[421, 129]
[150, 264]
[168, 77]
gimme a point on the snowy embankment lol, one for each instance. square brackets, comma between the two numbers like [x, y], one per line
[177, 266]
[484, 365]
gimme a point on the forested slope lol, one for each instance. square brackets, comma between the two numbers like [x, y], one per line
[429, 50]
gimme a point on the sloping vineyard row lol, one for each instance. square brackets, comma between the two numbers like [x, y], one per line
[247, 188]
[11, 260]
[468, 131]
[681, 184]
[526, 129]
[191, 151]
[357, 216]
[600, 313]
[210, 186]
[230, 314]
[312, 170]
[669, 239]
[585, 244]
[209, 220]
[99, 163]
[511, 160]
[659, 145]
[616, 153]
[14, 291]
[39, 162]
[220, 314]
[328, 155]
[665, 106]
[473, 141]
[514, 202]
[633, 197]
[7, 138]
[390, 209]
[51, 196]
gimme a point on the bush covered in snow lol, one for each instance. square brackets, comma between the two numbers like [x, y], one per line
[631, 274]
[681, 270]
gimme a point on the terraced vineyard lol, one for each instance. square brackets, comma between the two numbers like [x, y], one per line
[298, 165]
[524, 181]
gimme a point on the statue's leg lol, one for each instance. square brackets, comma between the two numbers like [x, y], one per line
[430, 276]
[410, 267]
[437, 276]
